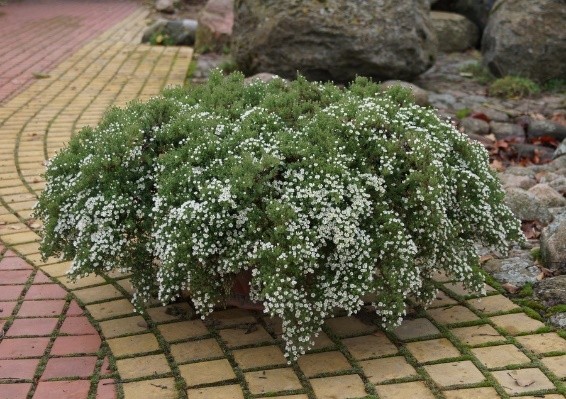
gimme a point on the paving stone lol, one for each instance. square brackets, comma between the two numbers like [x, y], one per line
[286, 397]
[492, 304]
[11, 292]
[522, 381]
[222, 392]
[77, 326]
[11, 277]
[45, 308]
[132, 345]
[340, 387]
[161, 314]
[459, 289]
[407, 390]
[15, 391]
[11, 348]
[349, 326]
[6, 309]
[106, 389]
[110, 309]
[388, 368]
[238, 337]
[452, 314]
[74, 309]
[142, 366]
[105, 368]
[368, 346]
[183, 330]
[500, 356]
[434, 349]
[160, 388]
[71, 345]
[125, 326]
[275, 380]
[259, 357]
[196, 350]
[477, 335]
[417, 328]
[14, 263]
[99, 293]
[556, 364]
[325, 362]
[41, 278]
[322, 342]
[45, 291]
[516, 323]
[17, 369]
[454, 373]
[546, 396]
[57, 269]
[442, 299]
[543, 343]
[207, 372]
[32, 327]
[62, 389]
[232, 317]
[83, 282]
[472, 393]
[66, 367]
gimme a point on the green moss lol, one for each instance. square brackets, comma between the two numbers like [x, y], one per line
[556, 309]
[555, 86]
[526, 291]
[477, 72]
[535, 253]
[513, 87]
[463, 113]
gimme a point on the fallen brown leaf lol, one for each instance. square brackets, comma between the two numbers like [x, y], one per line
[510, 288]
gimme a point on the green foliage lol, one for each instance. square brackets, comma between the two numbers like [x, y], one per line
[228, 66]
[526, 291]
[324, 194]
[512, 87]
[536, 254]
[463, 113]
[555, 86]
[477, 72]
[161, 38]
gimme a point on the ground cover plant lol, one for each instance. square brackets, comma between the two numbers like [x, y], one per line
[325, 194]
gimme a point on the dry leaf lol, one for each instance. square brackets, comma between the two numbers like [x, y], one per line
[485, 258]
[540, 276]
[510, 288]
[497, 165]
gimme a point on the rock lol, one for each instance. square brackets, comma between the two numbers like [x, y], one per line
[523, 38]
[215, 24]
[548, 196]
[476, 11]
[551, 291]
[526, 206]
[420, 95]
[539, 128]
[553, 244]
[559, 185]
[475, 126]
[558, 320]
[561, 150]
[482, 139]
[262, 76]
[454, 32]
[334, 39]
[528, 151]
[506, 130]
[442, 100]
[509, 180]
[180, 32]
[493, 115]
[517, 271]
[165, 6]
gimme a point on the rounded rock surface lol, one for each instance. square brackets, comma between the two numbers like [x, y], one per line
[551, 291]
[526, 206]
[553, 244]
[454, 32]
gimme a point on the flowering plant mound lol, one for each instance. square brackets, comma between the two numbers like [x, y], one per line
[325, 194]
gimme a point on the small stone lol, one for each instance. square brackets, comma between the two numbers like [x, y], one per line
[516, 271]
[526, 206]
[420, 95]
[493, 115]
[561, 150]
[442, 100]
[558, 320]
[177, 32]
[529, 151]
[475, 126]
[506, 130]
[551, 291]
[548, 196]
[165, 6]
[511, 180]
[553, 244]
[540, 128]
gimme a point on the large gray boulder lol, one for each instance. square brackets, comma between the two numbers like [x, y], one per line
[517, 270]
[215, 23]
[553, 244]
[526, 38]
[526, 205]
[455, 33]
[476, 11]
[334, 39]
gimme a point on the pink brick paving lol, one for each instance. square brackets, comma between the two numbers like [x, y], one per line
[48, 347]
[37, 34]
